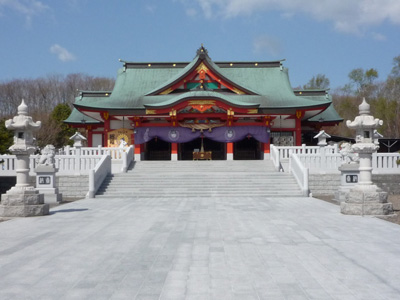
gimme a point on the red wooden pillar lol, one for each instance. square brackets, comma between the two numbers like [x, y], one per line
[229, 151]
[138, 152]
[106, 119]
[299, 115]
[267, 147]
[90, 136]
[174, 151]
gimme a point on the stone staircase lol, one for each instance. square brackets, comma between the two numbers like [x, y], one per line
[200, 179]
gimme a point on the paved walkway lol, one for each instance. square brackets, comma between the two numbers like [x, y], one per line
[215, 248]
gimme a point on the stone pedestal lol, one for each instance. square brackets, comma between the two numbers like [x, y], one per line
[366, 200]
[46, 183]
[23, 202]
[348, 179]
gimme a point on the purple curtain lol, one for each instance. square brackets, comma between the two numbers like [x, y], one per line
[184, 135]
[237, 133]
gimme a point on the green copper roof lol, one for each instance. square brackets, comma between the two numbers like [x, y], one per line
[235, 101]
[328, 115]
[266, 83]
[76, 117]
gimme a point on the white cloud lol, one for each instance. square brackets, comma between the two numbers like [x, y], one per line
[27, 8]
[378, 36]
[351, 16]
[267, 44]
[62, 53]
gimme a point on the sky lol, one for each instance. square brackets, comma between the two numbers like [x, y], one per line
[330, 37]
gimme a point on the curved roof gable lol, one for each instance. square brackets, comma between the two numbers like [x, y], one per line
[201, 64]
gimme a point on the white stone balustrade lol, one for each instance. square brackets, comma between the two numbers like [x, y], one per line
[300, 173]
[328, 159]
[76, 163]
[328, 162]
[385, 163]
[286, 151]
[98, 174]
[275, 157]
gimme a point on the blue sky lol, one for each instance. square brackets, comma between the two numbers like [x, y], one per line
[330, 37]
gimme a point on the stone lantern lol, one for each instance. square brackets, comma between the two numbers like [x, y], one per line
[23, 200]
[365, 198]
[322, 136]
[78, 140]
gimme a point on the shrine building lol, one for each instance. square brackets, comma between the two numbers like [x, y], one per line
[201, 109]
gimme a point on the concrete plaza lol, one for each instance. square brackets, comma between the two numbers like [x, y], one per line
[199, 248]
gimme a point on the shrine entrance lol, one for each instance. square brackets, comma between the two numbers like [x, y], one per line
[157, 149]
[217, 149]
[247, 149]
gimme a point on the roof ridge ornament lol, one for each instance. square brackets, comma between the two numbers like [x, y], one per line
[202, 52]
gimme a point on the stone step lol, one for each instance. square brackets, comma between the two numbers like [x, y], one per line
[200, 179]
[259, 166]
[204, 182]
[197, 195]
[197, 189]
[193, 186]
[198, 182]
[210, 178]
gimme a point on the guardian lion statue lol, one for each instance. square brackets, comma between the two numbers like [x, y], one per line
[348, 154]
[47, 156]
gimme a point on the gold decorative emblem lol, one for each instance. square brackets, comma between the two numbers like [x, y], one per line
[299, 114]
[115, 137]
[202, 67]
[252, 111]
[150, 112]
[202, 107]
[201, 102]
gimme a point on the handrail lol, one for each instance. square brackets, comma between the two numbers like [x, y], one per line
[98, 174]
[322, 162]
[286, 151]
[275, 158]
[300, 173]
[127, 158]
[115, 152]
[384, 163]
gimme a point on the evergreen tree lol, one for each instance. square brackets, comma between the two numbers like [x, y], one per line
[6, 137]
[57, 117]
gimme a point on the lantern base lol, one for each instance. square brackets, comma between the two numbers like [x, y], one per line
[24, 203]
[366, 200]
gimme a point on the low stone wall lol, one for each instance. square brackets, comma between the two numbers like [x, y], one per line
[388, 182]
[327, 184]
[323, 184]
[73, 187]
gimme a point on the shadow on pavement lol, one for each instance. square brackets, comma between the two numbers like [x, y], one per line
[67, 210]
